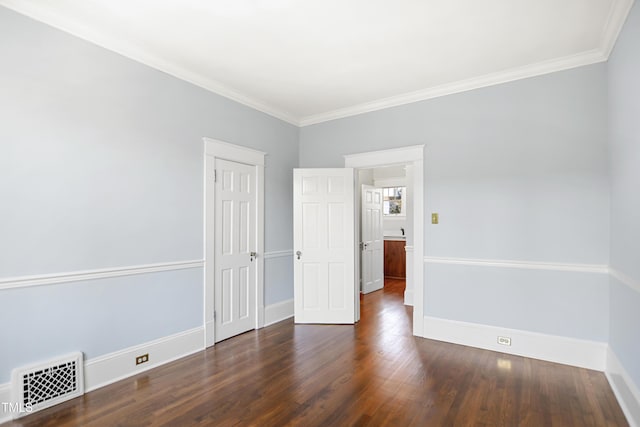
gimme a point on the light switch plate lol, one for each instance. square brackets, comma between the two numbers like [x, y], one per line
[434, 218]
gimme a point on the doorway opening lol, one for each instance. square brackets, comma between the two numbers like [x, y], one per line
[386, 220]
[412, 158]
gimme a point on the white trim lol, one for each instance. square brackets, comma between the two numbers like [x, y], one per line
[235, 153]
[110, 368]
[5, 396]
[394, 156]
[624, 279]
[412, 155]
[408, 297]
[492, 79]
[103, 273]
[126, 49]
[259, 238]
[390, 182]
[553, 348]
[528, 265]
[625, 390]
[278, 312]
[278, 254]
[617, 16]
[408, 291]
[113, 367]
[214, 149]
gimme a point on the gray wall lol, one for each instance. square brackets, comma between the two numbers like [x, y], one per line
[624, 136]
[101, 165]
[517, 172]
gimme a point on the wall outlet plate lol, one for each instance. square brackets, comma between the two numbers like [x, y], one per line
[142, 358]
[504, 341]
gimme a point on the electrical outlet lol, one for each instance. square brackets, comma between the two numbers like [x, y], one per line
[142, 359]
[504, 340]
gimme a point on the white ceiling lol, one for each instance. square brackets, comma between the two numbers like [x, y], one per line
[316, 60]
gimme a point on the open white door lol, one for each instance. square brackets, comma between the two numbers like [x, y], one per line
[235, 249]
[324, 245]
[372, 246]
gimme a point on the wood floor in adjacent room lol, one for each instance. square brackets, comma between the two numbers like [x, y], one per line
[375, 373]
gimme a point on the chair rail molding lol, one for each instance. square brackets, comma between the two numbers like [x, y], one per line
[102, 273]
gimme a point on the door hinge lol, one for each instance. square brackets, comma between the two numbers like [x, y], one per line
[214, 315]
[215, 175]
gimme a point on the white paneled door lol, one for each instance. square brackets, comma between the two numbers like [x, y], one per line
[372, 246]
[235, 246]
[324, 248]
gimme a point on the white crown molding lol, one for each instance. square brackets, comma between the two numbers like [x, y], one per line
[76, 276]
[624, 279]
[616, 18]
[492, 79]
[527, 265]
[554, 348]
[615, 21]
[124, 48]
[625, 390]
[278, 254]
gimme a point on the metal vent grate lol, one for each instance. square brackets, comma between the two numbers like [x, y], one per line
[40, 386]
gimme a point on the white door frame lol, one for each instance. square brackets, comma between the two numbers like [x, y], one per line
[412, 155]
[213, 150]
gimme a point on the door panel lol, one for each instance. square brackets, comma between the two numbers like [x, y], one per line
[372, 248]
[235, 269]
[324, 237]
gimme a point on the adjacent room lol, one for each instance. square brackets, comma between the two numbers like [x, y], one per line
[319, 213]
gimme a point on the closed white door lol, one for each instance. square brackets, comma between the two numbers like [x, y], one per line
[372, 246]
[235, 246]
[324, 246]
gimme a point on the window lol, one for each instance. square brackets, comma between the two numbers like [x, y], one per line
[393, 198]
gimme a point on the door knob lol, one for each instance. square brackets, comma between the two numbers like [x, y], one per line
[253, 256]
[299, 254]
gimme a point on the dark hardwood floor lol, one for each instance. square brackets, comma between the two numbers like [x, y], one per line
[375, 373]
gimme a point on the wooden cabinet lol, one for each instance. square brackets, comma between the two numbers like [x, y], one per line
[395, 259]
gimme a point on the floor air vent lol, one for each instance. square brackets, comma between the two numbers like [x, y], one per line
[46, 384]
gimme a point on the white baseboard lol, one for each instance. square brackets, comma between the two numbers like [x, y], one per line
[277, 312]
[553, 348]
[5, 396]
[107, 369]
[624, 388]
[408, 297]
[112, 367]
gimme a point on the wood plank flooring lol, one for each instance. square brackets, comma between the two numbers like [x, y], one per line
[372, 374]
